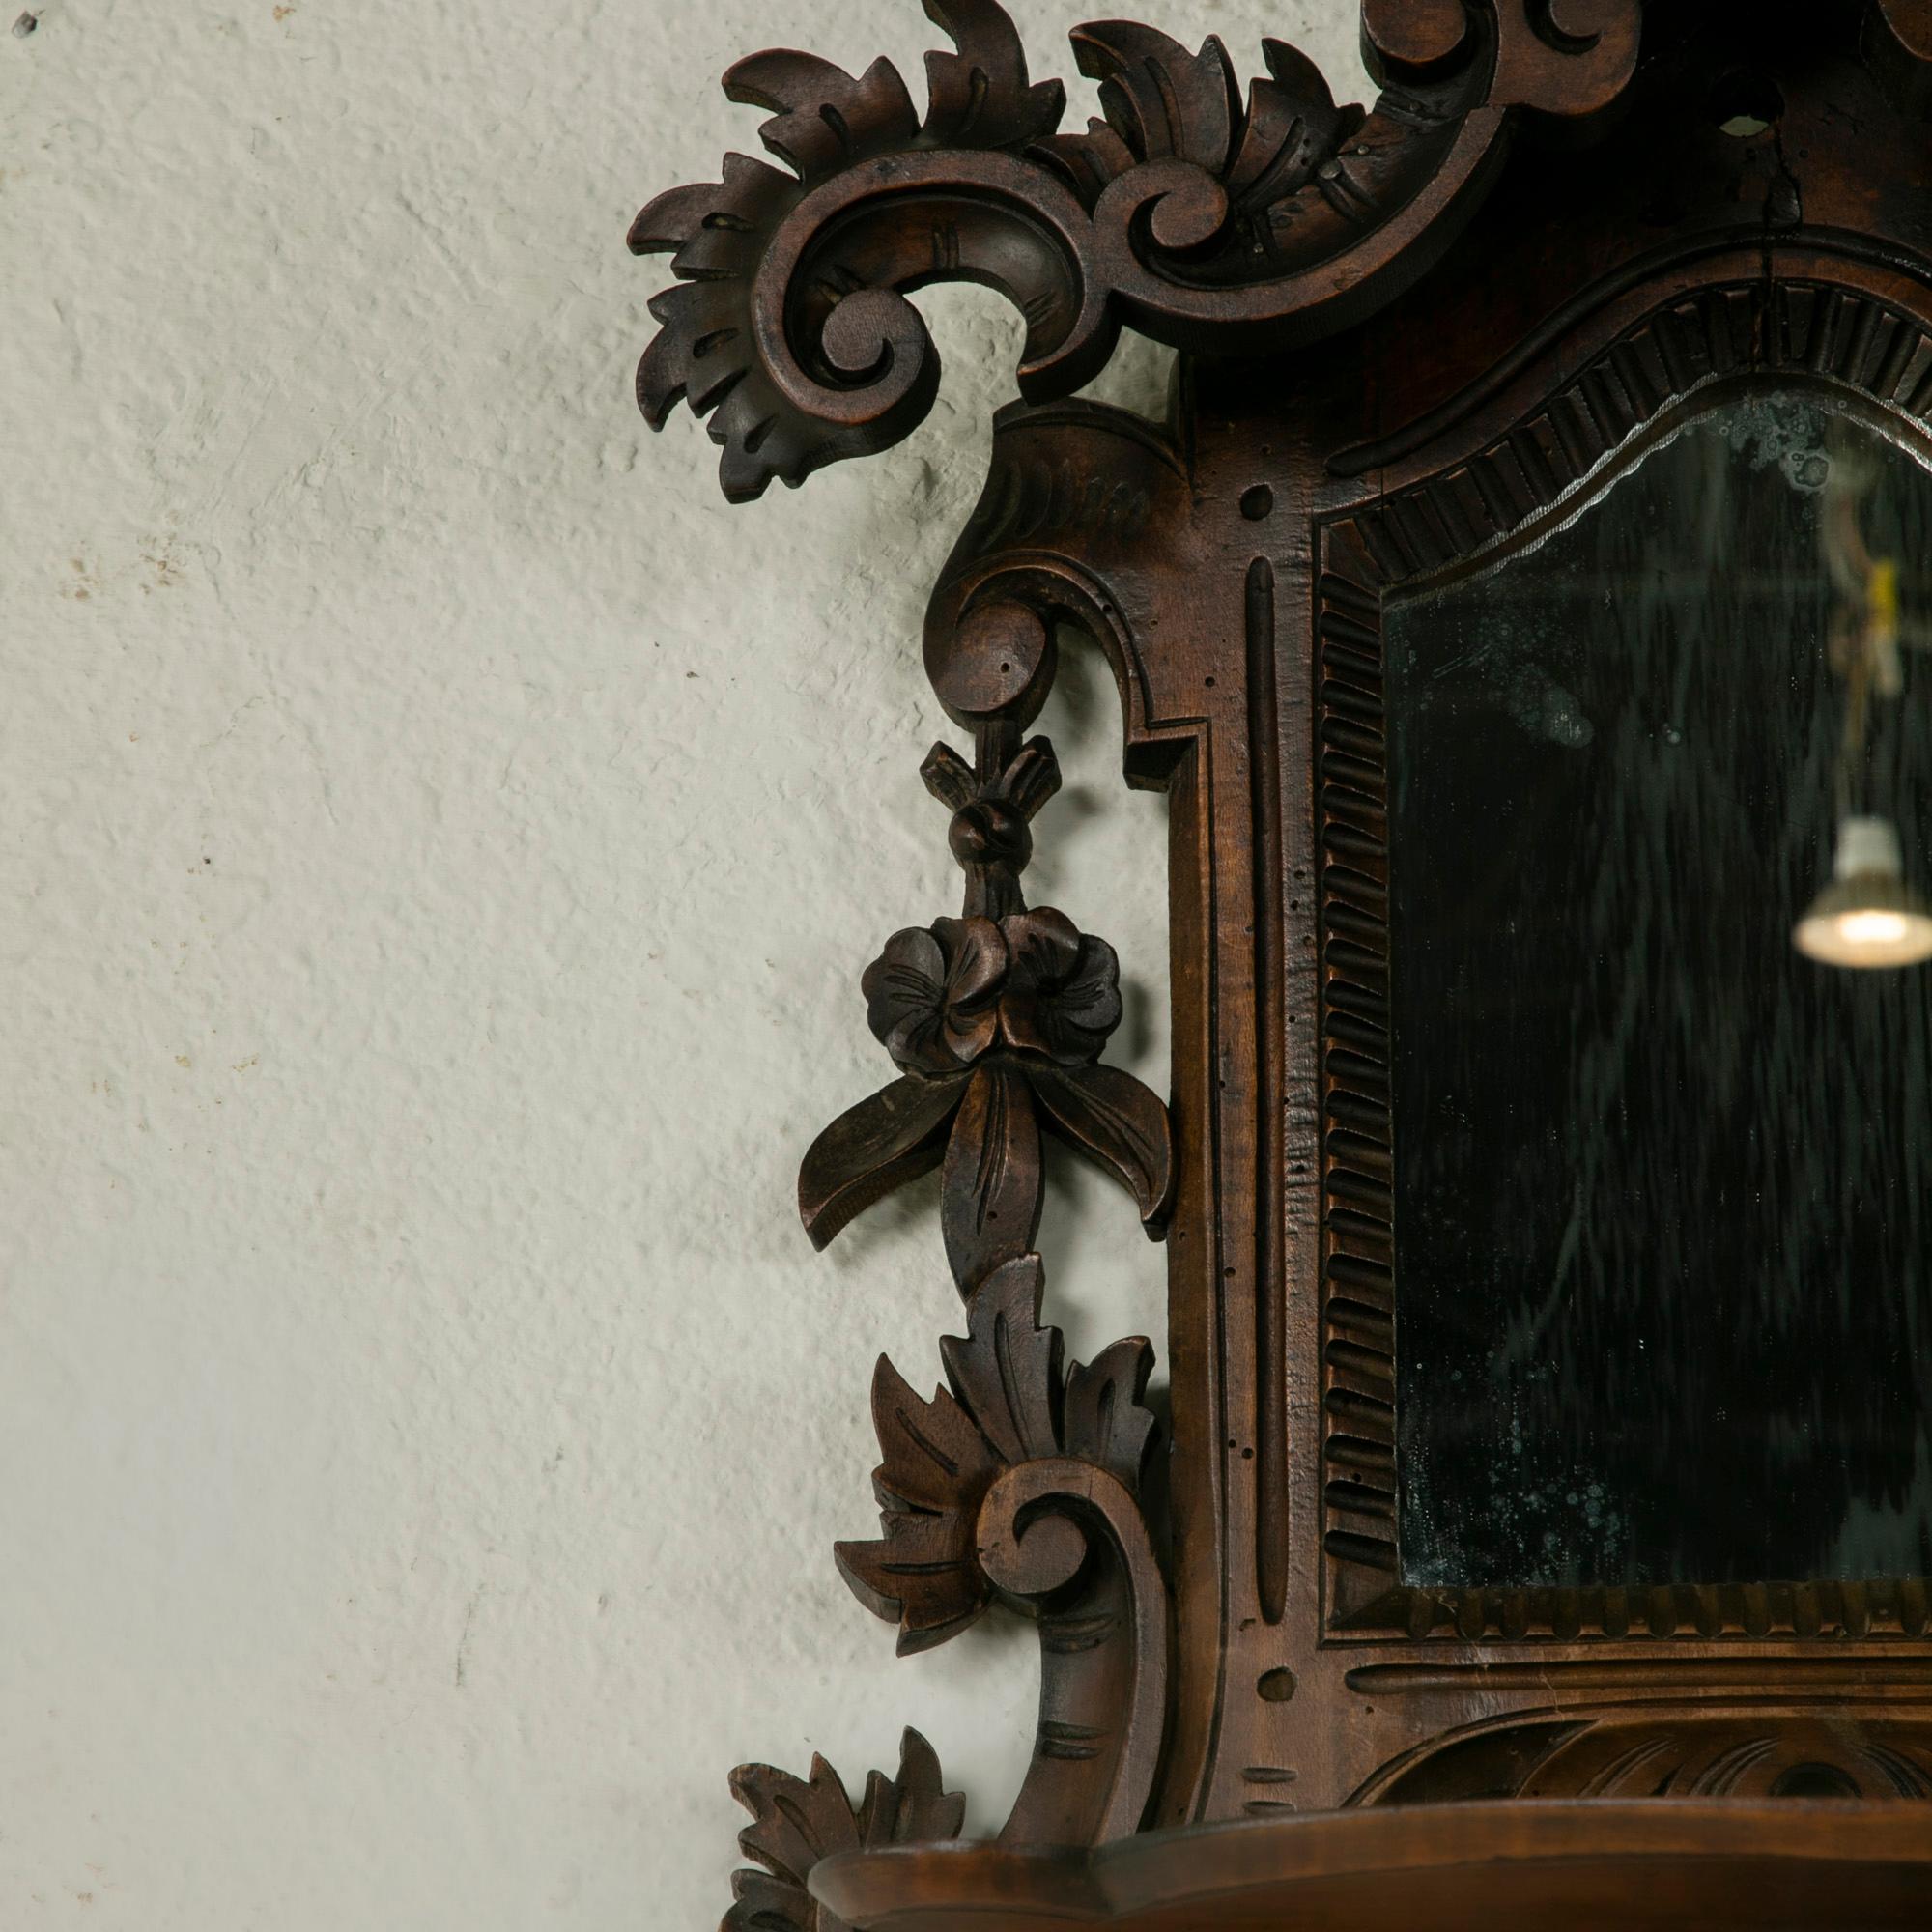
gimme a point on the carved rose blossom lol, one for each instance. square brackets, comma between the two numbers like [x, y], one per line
[941, 997]
[998, 1027]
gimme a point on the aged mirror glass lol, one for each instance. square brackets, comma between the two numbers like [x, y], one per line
[1661, 1215]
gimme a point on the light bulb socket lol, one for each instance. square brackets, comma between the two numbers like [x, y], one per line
[1867, 917]
[1868, 849]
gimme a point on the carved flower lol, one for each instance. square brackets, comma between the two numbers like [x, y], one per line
[997, 1026]
[932, 995]
[1063, 995]
[940, 997]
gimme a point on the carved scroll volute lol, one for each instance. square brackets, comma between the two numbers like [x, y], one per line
[790, 328]
[1211, 220]
[1021, 1482]
[1080, 505]
[1247, 230]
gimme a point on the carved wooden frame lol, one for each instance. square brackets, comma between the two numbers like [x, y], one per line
[1232, 568]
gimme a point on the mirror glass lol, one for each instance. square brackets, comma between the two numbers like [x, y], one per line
[1663, 1182]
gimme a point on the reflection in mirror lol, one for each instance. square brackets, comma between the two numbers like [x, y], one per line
[1663, 1289]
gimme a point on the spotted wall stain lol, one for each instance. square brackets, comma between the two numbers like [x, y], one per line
[160, 558]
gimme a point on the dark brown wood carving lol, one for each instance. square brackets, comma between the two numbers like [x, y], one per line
[798, 1822]
[1196, 216]
[1659, 1751]
[1023, 1482]
[1414, 338]
[997, 1020]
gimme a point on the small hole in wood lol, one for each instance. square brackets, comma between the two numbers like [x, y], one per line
[1257, 503]
[1744, 103]
[1276, 1687]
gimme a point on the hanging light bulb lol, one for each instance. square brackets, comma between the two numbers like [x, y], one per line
[1867, 916]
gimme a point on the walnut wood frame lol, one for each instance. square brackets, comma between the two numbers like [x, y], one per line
[1400, 352]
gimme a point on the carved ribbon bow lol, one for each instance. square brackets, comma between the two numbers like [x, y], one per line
[997, 1021]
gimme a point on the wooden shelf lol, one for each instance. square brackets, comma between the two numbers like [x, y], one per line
[1522, 1864]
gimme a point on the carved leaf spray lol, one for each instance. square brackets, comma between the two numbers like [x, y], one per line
[1019, 1482]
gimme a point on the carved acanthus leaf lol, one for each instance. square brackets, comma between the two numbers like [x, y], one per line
[1291, 125]
[980, 97]
[824, 122]
[1210, 222]
[1008, 1403]
[717, 233]
[1164, 102]
[822, 119]
[800, 1822]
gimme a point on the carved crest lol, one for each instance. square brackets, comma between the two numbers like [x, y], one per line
[1202, 219]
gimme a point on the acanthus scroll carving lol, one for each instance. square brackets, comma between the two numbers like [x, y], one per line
[1020, 1481]
[1205, 218]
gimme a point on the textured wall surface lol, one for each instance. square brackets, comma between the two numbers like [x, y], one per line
[438, 841]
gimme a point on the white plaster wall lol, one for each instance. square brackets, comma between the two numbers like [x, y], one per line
[439, 840]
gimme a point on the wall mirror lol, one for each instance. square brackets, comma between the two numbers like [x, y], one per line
[1660, 1254]
[1525, 607]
